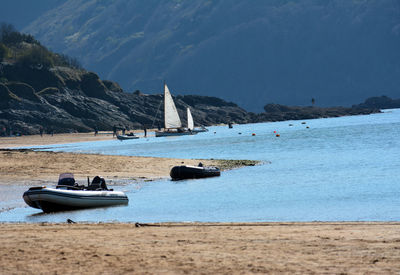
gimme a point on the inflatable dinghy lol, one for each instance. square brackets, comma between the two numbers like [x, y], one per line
[69, 196]
[193, 172]
[127, 137]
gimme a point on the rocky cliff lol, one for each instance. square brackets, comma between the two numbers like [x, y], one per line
[62, 99]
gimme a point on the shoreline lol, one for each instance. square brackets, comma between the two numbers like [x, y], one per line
[46, 139]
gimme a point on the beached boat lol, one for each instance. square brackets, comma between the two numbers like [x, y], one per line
[191, 124]
[127, 137]
[194, 172]
[172, 122]
[68, 195]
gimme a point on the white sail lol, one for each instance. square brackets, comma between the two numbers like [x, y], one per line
[171, 117]
[190, 120]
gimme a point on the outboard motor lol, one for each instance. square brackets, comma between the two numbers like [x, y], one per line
[66, 180]
[98, 183]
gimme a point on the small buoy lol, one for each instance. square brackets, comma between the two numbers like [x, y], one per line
[290, 124]
[303, 122]
[307, 127]
[239, 133]
[253, 134]
[278, 135]
[274, 132]
[215, 133]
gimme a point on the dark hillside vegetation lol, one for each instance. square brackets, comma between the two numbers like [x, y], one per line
[24, 50]
[249, 52]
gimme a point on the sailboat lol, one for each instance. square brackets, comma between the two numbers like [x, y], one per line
[191, 124]
[172, 122]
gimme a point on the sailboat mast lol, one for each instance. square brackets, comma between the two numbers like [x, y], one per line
[165, 106]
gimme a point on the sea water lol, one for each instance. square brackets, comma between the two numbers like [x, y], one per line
[333, 169]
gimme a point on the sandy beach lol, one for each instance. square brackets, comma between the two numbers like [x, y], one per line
[35, 140]
[32, 167]
[301, 248]
[181, 248]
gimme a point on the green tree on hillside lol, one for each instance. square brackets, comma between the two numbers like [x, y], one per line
[37, 57]
[65, 60]
[3, 52]
[11, 37]
[27, 51]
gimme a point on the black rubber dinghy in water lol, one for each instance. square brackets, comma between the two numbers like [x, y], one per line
[193, 172]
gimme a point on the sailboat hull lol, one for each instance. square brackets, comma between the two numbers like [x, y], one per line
[126, 137]
[173, 134]
[200, 130]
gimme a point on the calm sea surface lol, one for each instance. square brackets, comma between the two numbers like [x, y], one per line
[338, 169]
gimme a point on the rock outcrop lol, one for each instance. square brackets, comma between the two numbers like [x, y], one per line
[276, 112]
[382, 102]
[62, 99]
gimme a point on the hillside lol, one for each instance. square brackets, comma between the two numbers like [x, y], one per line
[40, 89]
[250, 52]
[21, 13]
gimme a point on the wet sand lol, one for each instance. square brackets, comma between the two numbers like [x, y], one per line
[31, 167]
[198, 248]
[302, 248]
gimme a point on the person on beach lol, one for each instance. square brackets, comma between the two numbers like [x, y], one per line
[145, 130]
[114, 130]
[41, 131]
